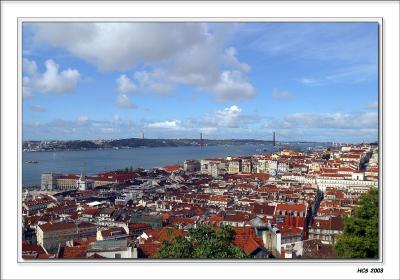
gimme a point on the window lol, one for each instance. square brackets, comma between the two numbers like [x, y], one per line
[118, 256]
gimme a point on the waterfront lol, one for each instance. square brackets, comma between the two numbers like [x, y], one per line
[111, 159]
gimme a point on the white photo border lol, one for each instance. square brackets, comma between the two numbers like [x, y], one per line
[21, 21]
[275, 6]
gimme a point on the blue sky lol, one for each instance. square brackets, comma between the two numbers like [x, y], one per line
[306, 81]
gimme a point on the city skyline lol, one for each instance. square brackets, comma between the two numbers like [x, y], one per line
[306, 81]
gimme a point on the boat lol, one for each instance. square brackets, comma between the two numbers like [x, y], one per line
[31, 161]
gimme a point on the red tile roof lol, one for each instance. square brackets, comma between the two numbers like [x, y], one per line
[89, 211]
[84, 241]
[118, 176]
[220, 198]
[245, 186]
[96, 256]
[238, 217]
[215, 219]
[31, 250]
[291, 207]
[165, 233]
[148, 249]
[172, 168]
[76, 252]
[113, 231]
[39, 201]
[289, 230]
[334, 223]
[246, 239]
[69, 176]
[263, 209]
[135, 226]
[57, 226]
[268, 189]
[186, 221]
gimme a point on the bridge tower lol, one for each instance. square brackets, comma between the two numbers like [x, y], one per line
[201, 139]
[273, 139]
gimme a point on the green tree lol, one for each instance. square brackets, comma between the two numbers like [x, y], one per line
[326, 156]
[201, 234]
[178, 248]
[203, 242]
[360, 237]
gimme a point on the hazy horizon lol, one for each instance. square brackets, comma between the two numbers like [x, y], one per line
[186, 138]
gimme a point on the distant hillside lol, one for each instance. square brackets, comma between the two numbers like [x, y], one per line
[137, 142]
[132, 143]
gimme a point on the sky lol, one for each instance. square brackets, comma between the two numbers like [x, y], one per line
[305, 81]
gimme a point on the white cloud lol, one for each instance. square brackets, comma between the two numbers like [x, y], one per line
[82, 120]
[199, 65]
[354, 74]
[124, 102]
[309, 81]
[26, 87]
[207, 130]
[120, 46]
[172, 125]
[173, 54]
[29, 66]
[125, 85]
[227, 85]
[231, 59]
[228, 120]
[80, 128]
[156, 81]
[281, 95]
[373, 105]
[51, 81]
[107, 129]
[364, 120]
[347, 42]
[356, 135]
[232, 86]
[37, 109]
[229, 117]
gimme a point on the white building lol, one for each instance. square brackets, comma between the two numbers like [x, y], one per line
[323, 183]
[83, 184]
[49, 181]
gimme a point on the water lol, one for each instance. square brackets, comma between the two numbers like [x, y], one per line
[106, 160]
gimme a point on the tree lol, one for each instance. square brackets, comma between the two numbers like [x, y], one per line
[326, 156]
[360, 237]
[178, 248]
[203, 242]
